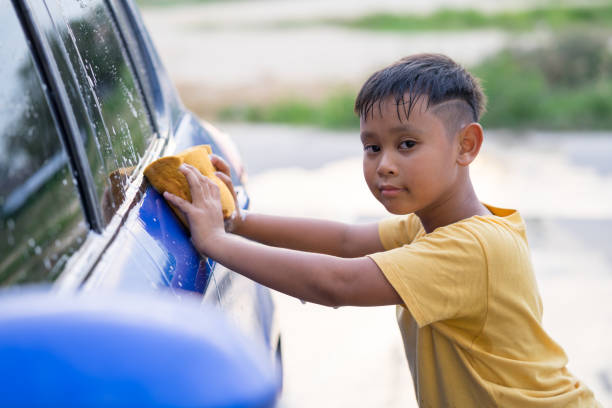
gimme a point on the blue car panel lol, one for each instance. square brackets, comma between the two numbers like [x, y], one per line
[167, 241]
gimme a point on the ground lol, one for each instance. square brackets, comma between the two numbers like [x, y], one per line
[564, 193]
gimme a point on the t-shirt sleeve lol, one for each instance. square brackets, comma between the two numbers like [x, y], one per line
[440, 276]
[397, 231]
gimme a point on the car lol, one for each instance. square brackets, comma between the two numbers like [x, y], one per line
[85, 106]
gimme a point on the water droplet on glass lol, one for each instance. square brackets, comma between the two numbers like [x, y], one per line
[180, 284]
[31, 242]
[38, 250]
[47, 263]
[65, 182]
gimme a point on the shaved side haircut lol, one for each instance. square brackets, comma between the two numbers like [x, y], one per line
[453, 94]
[455, 114]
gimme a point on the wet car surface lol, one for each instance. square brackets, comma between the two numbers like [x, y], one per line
[85, 106]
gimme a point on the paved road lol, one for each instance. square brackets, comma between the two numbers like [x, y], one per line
[353, 357]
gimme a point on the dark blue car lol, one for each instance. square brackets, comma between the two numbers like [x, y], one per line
[85, 106]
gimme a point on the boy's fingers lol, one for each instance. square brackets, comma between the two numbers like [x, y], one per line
[213, 189]
[237, 214]
[201, 187]
[205, 182]
[191, 174]
[177, 201]
[220, 164]
[228, 182]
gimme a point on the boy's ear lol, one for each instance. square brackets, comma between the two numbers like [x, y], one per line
[470, 140]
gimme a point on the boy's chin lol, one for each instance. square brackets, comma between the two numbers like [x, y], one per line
[395, 209]
[398, 212]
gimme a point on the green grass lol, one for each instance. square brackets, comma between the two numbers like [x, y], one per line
[521, 96]
[599, 15]
[170, 3]
[518, 99]
[334, 112]
[565, 86]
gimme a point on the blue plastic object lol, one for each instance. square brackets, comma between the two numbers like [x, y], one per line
[129, 351]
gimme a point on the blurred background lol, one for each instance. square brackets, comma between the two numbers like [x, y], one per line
[280, 76]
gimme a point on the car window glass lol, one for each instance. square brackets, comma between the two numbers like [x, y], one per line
[135, 37]
[115, 106]
[41, 220]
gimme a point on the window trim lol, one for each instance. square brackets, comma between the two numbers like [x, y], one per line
[61, 108]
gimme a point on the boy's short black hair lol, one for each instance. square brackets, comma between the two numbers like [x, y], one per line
[434, 76]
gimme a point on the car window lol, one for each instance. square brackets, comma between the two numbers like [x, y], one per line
[135, 36]
[120, 124]
[41, 219]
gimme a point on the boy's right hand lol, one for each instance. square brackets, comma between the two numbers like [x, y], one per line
[232, 224]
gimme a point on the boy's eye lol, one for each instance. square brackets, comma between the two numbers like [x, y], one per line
[371, 148]
[407, 144]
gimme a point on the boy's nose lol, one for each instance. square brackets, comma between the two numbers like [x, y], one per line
[386, 166]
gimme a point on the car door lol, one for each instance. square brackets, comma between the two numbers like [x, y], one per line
[89, 132]
[116, 112]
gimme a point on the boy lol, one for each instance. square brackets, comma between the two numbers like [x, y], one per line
[460, 272]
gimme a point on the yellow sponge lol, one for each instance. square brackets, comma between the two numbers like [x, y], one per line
[164, 175]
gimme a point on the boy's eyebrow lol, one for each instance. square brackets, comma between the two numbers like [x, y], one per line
[366, 135]
[405, 128]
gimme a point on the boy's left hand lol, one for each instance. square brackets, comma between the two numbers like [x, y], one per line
[204, 214]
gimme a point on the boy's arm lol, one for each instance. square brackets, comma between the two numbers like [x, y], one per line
[317, 278]
[312, 235]
[302, 234]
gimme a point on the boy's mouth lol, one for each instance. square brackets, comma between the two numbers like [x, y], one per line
[388, 190]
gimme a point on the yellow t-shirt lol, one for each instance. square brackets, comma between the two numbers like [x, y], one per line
[472, 320]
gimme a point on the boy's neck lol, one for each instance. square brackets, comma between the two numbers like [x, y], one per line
[458, 206]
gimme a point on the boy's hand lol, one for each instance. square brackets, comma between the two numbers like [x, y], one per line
[204, 214]
[223, 172]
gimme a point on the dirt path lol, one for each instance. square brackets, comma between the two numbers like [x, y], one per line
[238, 62]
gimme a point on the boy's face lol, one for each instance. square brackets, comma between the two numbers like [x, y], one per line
[409, 165]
